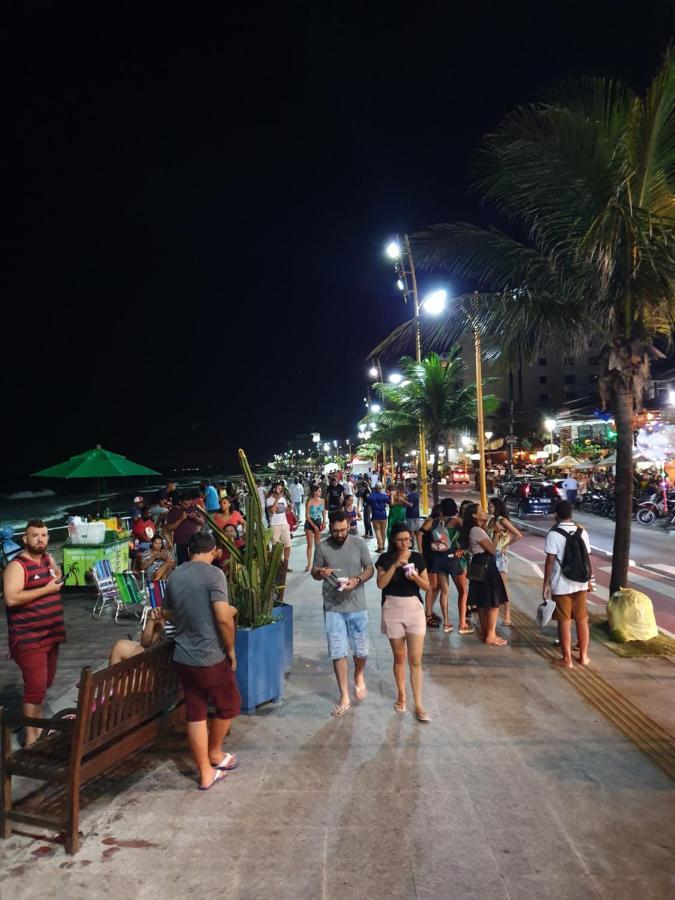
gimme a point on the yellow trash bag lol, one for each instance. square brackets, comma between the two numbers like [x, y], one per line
[631, 616]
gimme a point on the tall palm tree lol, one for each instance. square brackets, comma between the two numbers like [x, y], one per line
[432, 392]
[587, 180]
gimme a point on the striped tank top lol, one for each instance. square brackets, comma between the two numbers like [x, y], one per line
[38, 624]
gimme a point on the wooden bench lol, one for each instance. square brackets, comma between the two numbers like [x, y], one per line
[120, 710]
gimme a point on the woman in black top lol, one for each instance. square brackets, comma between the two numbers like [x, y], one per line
[401, 576]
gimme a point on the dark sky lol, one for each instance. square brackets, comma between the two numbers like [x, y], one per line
[196, 202]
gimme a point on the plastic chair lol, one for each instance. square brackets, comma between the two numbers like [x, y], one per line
[108, 592]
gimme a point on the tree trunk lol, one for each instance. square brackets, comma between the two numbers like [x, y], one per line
[622, 403]
[434, 479]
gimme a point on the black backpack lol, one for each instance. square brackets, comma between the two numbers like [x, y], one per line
[576, 564]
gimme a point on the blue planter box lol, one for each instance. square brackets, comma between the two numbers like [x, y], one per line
[260, 664]
[285, 613]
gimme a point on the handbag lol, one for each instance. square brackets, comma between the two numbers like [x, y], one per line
[477, 571]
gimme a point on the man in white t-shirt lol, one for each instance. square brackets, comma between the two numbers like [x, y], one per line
[569, 596]
[277, 506]
[570, 486]
[296, 498]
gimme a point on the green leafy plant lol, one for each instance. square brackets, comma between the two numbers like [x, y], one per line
[254, 569]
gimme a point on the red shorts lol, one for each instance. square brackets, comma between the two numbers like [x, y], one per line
[204, 683]
[38, 668]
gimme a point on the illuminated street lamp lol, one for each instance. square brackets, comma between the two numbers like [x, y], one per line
[393, 250]
[375, 407]
[395, 378]
[372, 371]
[549, 425]
[434, 303]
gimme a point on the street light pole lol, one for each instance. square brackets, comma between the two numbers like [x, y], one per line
[481, 425]
[422, 473]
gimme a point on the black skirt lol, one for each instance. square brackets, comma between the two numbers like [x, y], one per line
[491, 592]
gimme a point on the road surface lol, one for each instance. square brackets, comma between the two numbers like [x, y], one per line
[652, 568]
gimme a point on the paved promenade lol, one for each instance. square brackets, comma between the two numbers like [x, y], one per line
[517, 789]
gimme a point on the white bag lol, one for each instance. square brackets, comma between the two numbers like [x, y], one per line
[544, 612]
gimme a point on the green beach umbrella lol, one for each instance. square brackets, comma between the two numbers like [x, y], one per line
[97, 463]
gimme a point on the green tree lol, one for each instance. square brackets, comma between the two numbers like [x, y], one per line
[587, 180]
[432, 392]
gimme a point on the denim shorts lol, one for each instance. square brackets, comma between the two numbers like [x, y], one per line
[502, 561]
[347, 632]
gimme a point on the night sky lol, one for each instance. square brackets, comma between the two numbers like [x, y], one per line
[195, 203]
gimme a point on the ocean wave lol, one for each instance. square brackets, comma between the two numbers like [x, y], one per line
[29, 495]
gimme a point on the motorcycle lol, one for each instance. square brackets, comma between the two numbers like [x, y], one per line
[655, 508]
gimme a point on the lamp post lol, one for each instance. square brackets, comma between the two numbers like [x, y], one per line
[434, 304]
[549, 425]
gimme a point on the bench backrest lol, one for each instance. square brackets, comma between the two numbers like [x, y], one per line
[115, 700]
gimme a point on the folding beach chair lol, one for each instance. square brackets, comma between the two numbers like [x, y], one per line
[131, 599]
[107, 587]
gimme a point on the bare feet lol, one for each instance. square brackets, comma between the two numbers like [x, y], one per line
[495, 641]
[563, 663]
[584, 660]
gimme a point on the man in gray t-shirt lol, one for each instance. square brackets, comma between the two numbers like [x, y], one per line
[343, 563]
[196, 603]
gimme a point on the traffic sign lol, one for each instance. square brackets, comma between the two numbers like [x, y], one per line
[511, 439]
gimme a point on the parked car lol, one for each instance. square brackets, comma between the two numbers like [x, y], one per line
[510, 481]
[531, 498]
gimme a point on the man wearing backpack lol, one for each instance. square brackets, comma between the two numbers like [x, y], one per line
[567, 578]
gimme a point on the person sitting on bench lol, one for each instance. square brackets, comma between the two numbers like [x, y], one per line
[157, 627]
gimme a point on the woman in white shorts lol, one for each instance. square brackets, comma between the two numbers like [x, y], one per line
[401, 576]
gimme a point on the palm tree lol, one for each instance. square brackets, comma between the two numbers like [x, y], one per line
[587, 180]
[432, 392]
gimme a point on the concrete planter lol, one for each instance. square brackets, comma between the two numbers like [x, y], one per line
[260, 664]
[284, 612]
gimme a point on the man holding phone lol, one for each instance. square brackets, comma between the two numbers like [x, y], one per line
[183, 522]
[32, 584]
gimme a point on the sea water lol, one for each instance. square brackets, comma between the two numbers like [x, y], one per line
[53, 504]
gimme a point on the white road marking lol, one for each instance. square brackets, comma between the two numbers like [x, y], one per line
[651, 583]
[537, 569]
[670, 570]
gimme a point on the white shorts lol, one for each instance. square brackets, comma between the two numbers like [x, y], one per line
[281, 533]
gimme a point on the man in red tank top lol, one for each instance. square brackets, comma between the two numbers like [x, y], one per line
[32, 585]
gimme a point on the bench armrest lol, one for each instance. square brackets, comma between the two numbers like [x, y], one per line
[10, 719]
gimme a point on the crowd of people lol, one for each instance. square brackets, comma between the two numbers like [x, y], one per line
[417, 558]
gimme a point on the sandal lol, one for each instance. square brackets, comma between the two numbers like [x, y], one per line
[433, 622]
[467, 629]
[339, 710]
[228, 762]
[217, 778]
[421, 716]
[447, 629]
[400, 706]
